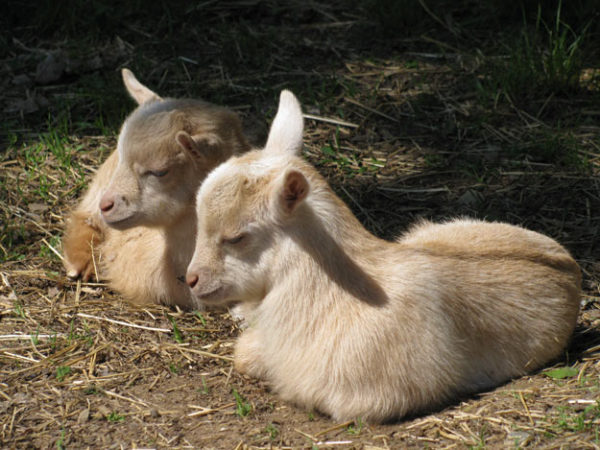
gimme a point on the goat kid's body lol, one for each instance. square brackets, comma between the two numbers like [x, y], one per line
[144, 264]
[145, 252]
[358, 327]
[355, 326]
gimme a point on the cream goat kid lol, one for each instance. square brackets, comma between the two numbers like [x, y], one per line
[136, 223]
[354, 326]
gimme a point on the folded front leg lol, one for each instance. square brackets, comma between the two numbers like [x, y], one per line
[247, 355]
[81, 239]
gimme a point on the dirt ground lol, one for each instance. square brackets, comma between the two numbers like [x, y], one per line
[403, 128]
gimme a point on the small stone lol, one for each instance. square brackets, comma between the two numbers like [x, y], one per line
[102, 412]
[83, 416]
[518, 439]
[21, 80]
[95, 63]
[25, 106]
[470, 198]
[51, 69]
[37, 207]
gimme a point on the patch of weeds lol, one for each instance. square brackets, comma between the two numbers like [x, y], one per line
[60, 442]
[173, 368]
[200, 317]
[481, 442]
[356, 428]
[19, 310]
[91, 390]
[62, 372]
[311, 416]
[70, 336]
[204, 389]
[53, 342]
[350, 165]
[115, 417]
[176, 333]
[56, 142]
[34, 337]
[45, 251]
[434, 160]
[73, 336]
[573, 421]
[557, 148]
[242, 407]
[398, 17]
[52, 274]
[545, 61]
[272, 430]
[561, 373]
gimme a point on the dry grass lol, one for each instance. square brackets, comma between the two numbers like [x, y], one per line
[400, 136]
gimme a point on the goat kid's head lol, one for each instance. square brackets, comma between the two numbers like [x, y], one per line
[242, 209]
[166, 147]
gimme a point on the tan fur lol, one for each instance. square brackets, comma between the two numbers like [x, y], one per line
[145, 248]
[354, 326]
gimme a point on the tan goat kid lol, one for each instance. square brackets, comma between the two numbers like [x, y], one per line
[136, 224]
[354, 326]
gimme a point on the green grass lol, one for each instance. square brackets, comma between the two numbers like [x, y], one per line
[356, 428]
[177, 335]
[200, 317]
[543, 61]
[205, 389]
[242, 407]
[577, 421]
[115, 417]
[272, 431]
[62, 372]
[46, 252]
[60, 442]
[19, 310]
[561, 373]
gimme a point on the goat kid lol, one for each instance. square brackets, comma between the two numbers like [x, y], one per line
[136, 223]
[351, 325]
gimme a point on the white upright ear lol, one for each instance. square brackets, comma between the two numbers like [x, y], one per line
[139, 92]
[285, 136]
[292, 190]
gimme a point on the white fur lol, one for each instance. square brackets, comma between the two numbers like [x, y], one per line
[354, 326]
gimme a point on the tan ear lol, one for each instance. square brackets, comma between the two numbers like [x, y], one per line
[293, 191]
[139, 92]
[198, 146]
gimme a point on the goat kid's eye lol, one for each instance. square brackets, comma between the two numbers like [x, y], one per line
[234, 240]
[158, 173]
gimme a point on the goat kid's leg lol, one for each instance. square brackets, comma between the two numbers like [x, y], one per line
[81, 238]
[247, 355]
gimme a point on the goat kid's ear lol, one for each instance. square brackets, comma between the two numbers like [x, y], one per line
[197, 146]
[139, 92]
[285, 136]
[293, 189]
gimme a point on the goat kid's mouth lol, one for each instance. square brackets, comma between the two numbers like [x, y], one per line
[120, 223]
[216, 295]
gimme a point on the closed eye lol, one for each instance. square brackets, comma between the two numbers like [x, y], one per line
[158, 173]
[234, 240]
